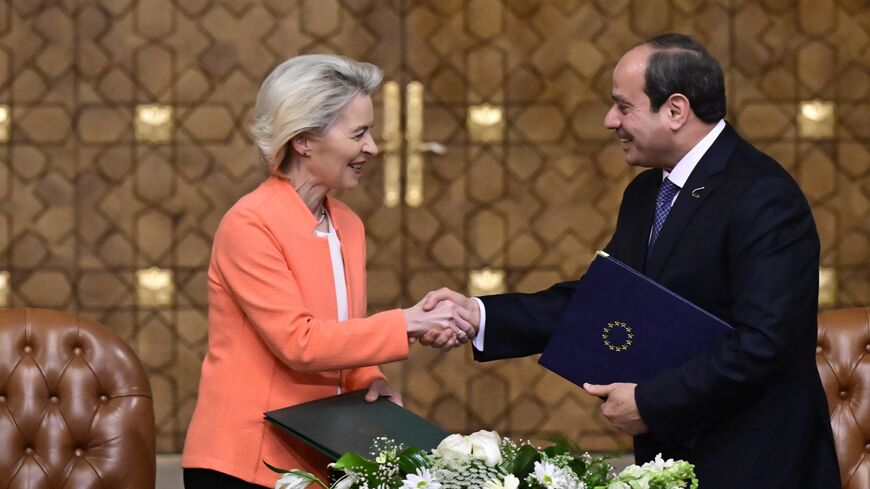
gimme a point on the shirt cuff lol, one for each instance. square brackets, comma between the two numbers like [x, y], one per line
[477, 342]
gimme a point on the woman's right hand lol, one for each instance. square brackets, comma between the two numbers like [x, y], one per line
[445, 315]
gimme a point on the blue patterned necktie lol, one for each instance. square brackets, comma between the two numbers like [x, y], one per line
[663, 206]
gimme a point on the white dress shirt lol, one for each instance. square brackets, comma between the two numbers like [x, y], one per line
[679, 175]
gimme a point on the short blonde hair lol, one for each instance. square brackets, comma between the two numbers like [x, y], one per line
[306, 94]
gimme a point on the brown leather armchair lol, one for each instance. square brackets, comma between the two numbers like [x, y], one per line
[75, 405]
[843, 359]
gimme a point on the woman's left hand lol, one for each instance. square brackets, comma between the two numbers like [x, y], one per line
[380, 388]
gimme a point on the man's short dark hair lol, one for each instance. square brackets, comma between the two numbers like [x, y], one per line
[680, 64]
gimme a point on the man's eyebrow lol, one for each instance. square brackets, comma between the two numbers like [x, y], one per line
[620, 100]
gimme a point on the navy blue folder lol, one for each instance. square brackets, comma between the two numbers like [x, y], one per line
[622, 326]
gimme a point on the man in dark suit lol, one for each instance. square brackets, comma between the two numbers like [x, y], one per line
[725, 226]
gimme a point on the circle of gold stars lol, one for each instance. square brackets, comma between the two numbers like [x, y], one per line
[606, 336]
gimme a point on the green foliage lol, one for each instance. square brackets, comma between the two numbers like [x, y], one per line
[412, 459]
[355, 462]
[460, 464]
[523, 461]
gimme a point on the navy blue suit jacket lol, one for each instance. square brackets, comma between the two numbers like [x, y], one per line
[752, 413]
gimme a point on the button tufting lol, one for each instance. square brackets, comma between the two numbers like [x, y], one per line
[53, 399]
[28, 451]
[867, 347]
[818, 349]
[103, 398]
[2, 398]
[867, 448]
[844, 394]
[79, 452]
[28, 349]
[77, 350]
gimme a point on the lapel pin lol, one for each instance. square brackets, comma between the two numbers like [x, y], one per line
[697, 192]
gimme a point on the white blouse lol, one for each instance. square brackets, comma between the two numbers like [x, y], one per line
[337, 269]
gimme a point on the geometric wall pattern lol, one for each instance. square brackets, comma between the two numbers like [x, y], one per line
[83, 205]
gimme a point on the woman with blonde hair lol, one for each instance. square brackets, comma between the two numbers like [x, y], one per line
[286, 281]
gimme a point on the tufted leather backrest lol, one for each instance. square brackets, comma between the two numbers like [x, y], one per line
[843, 359]
[75, 405]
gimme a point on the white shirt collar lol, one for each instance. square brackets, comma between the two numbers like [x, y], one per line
[680, 174]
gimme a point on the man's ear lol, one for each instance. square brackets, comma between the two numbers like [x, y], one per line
[677, 109]
[301, 144]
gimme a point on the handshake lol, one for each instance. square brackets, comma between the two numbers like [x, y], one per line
[443, 319]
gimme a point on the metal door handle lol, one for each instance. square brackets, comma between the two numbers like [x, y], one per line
[415, 148]
[434, 148]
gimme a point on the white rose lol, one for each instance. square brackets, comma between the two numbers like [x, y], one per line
[486, 446]
[454, 448]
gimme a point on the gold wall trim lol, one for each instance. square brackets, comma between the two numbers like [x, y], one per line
[414, 138]
[4, 289]
[392, 144]
[827, 286]
[5, 123]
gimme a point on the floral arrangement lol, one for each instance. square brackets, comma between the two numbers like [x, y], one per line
[484, 460]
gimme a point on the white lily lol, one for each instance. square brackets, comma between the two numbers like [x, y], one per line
[345, 482]
[295, 479]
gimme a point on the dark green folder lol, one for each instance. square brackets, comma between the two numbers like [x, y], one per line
[347, 423]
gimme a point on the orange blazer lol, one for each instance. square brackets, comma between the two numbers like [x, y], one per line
[273, 335]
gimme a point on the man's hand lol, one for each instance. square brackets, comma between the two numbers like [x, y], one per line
[444, 317]
[445, 339]
[619, 407]
[381, 388]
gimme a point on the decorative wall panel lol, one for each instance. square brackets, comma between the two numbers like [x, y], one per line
[85, 204]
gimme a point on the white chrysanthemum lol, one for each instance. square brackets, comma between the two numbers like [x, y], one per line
[550, 476]
[421, 480]
[509, 482]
